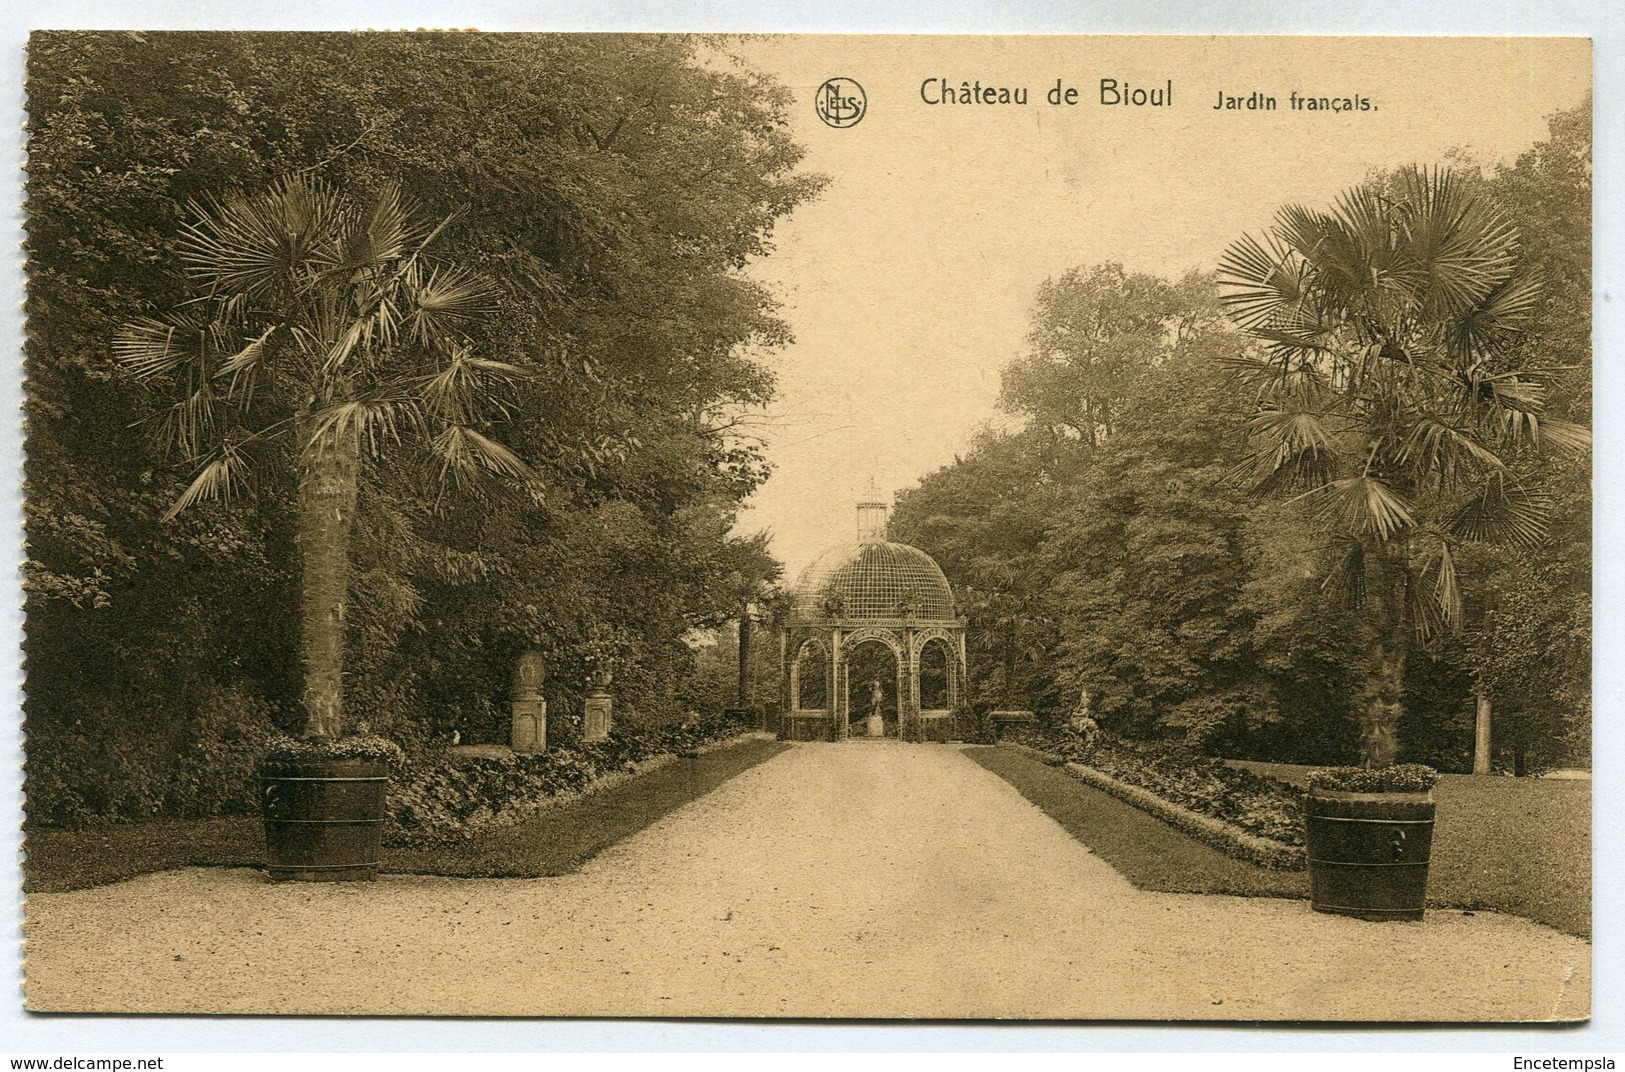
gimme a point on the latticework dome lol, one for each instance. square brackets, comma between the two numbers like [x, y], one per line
[873, 579]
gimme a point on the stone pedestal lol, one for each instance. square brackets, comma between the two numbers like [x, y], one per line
[529, 726]
[595, 715]
[529, 709]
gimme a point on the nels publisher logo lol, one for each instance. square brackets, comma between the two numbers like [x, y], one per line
[840, 102]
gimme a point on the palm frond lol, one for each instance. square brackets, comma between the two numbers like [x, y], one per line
[465, 456]
[266, 246]
[1262, 283]
[1361, 505]
[373, 421]
[1503, 511]
[461, 388]
[148, 348]
[1465, 247]
[380, 236]
[1296, 451]
[249, 356]
[222, 477]
[1438, 606]
[1500, 316]
[1565, 435]
[441, 297]
[192, 423]
[1347, 577]
[1446, 449]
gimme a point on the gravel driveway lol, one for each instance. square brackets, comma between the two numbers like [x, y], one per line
[868, 879]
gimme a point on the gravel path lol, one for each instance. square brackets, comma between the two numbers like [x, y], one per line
[870, 879]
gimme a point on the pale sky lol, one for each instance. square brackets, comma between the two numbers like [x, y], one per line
[909, 281]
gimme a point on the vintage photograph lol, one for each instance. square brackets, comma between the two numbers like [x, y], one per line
[808, 527]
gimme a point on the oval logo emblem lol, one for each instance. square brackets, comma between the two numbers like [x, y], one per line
[840, 102]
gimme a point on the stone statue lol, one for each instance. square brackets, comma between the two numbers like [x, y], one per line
[1084, 731]
[876, 724]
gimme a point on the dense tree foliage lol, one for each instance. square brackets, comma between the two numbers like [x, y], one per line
[1112, 544]
[1531, 654]
[610, 188]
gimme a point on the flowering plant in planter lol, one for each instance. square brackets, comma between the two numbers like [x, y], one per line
[365, 747]
[1398, 778]
[601, 653]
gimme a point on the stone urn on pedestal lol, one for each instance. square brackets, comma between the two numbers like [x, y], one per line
[596, 709]
[529, 709]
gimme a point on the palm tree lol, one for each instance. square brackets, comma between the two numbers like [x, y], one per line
[321, 336]
[1390, 401]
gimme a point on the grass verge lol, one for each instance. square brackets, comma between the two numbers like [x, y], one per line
[1145, 850]
[557, 840]
[1520, 846]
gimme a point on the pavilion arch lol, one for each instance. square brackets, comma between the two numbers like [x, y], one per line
[938, 685]
[885, 592]
[810, 681]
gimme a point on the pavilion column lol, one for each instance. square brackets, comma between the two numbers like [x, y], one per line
[908, 689]
[839, 705]
[964, 666]
[792, 673]
[784, 669]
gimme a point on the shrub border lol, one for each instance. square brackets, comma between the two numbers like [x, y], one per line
[1226, 837]
[519, 811]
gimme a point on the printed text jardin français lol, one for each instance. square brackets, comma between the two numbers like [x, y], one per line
[1115, 92]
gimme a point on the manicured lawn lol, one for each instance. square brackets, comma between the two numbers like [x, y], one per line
[1521, 846]
[555, 841]
[58, 860]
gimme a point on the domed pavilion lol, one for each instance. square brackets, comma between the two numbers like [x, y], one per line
[882, 613]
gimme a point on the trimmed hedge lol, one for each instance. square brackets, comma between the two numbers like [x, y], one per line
[442, 796]
[1261, 806]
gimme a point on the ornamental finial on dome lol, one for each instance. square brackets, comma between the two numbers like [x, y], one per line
[872, 515]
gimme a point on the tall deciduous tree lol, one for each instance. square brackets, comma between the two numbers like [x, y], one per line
[1530, 655]
[1388, 398]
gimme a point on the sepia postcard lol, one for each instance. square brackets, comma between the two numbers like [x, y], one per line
[1057, 528]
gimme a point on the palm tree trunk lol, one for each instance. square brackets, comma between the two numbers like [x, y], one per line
[1387, 648]
[327, 497]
